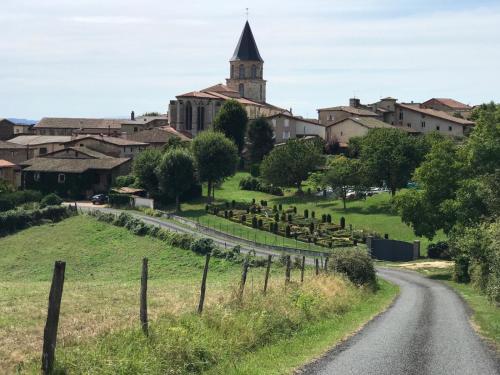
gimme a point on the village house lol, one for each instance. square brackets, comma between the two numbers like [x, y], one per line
[343, 130]
[333, 114]
[14, 152]
[286, 126]
[73, 172]
[195, 111]
[158, 137]
[450, 106]
[41, 144]
[6, 129]
[111, 146]
[10, 173]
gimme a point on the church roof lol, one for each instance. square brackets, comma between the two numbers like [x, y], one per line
[246, 48]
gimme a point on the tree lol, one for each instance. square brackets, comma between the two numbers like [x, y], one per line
[216, 158]
[291, 163]
[343, 174]
[143, 168]
[176, 174]
[390, 156]
[232, 120]
[175, 142]
[260, 139]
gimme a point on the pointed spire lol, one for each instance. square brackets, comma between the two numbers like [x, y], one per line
[246, 48]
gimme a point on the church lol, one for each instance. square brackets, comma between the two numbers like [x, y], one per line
[195, 111]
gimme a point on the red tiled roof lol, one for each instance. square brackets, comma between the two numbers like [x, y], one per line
[6, 164]
[452, 103]
[351, 110]
[435, 113]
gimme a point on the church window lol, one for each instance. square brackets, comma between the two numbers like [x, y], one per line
[189, 116]
[242, 71]
[254, 71]
[241, 89]
[201, 118]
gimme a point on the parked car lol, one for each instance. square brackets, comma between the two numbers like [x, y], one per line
[99, 199]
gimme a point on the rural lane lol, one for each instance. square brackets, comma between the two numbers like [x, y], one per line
[426, 331]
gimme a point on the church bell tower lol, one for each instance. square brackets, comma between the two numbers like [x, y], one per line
[247, 68]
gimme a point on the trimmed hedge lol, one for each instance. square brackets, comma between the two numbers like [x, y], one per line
[254, 184]
[15, 220]
[119, 200]
[51, 199]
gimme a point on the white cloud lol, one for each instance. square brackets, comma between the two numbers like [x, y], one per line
[109, 20]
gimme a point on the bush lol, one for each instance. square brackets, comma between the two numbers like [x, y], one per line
[122, 181]
[357, 265]
[255, 170]
[203, 246]
[9, 201]
[439, 250]
[119, 200]
[254, 184]
[51, 199]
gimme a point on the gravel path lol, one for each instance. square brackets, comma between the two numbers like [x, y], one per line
[426, 331]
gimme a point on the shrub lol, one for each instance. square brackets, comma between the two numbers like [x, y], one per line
[357, 265]
[51, 199]
[119, 200]
[439, 250]
[329, 219]
[342, 222]
[287, 231]
[461, 270]
[255, 170]
[306, 213]
[122, 181]
[203, 246]
[9, 201]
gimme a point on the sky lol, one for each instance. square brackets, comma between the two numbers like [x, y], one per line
[105, 58]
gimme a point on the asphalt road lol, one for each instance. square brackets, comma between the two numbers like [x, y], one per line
[426, 331]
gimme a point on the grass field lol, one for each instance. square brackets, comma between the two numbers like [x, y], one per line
[100, 304]
[374, 214]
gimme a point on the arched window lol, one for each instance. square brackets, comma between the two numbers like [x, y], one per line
[242, 71]
[241, 89]
[254, 71]
[200, 123]
[189, 116]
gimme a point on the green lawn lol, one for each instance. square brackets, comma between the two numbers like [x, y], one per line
[373, 214]
[99, 312]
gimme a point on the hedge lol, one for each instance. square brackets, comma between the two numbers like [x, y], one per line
[254, 184]
[9, 201]
[14, 220]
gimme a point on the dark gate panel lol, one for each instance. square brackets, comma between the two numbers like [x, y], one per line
[393, 250]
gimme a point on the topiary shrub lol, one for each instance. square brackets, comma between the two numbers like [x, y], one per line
[287, 231]
[313, 214]
[329, 219]
[439, 250]
[289, 219]
[202, 246]
[259, 223]
[311, 228]
[280, 207]
[306, 213]
[357, 265]
[254, 222]
[342, 222]
[51, 199]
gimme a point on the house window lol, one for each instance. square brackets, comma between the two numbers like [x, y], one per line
[423, 124]
[189, 116]
[135, 129]
[254, 72]
[242, 71]
[43, 150]
[449, 128]
[36, 176]
[408, 125]
[400, 115]
[241, 89]
[437, 127]
[61, 178]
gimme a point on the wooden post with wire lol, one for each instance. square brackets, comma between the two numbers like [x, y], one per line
[243, 280]
[316, 261]
[302, 269]
[51, 325]
[288, 267]
[268, 269]
[203, 284]
[144, 297]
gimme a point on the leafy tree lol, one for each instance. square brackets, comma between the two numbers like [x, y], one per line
[354, 147]
[216, 158]
[232, 121]
[291, 163]
[260, 139]
[342, 175]
[175, 142]
[390, 156]
[143, 168]
[151, 114]
[127, 180]
[176, 174]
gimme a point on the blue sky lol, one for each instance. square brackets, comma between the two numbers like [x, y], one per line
[104, 58]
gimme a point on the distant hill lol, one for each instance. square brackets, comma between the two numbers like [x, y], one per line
[22, 121]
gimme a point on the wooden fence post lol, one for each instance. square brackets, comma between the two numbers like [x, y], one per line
[143, 313]
[50, 331]
[243, 280]
[302, 269]
[287, 271]
[269, 257]
[316, 261]
[203, 284]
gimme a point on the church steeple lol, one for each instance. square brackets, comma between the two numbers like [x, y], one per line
[246, 50]
[247, 68]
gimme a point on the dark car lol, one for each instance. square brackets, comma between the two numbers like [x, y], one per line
[99, 199]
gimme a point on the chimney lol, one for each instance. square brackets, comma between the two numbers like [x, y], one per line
[354, 102]
[132, 116]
